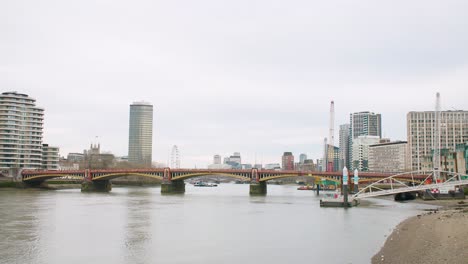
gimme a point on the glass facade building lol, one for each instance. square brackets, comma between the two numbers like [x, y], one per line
[362, 124]
[140, 143]
[344, 147]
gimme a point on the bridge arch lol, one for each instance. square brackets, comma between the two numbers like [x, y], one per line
[43, 177]
[240, 176]
[110, 176]
[268, 177]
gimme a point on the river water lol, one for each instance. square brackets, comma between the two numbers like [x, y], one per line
[205, 225]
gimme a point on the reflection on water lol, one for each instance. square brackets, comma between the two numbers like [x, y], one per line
[16, 216]
[138, 233]
[205, 225]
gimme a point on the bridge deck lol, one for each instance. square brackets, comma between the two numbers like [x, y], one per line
[410, 189]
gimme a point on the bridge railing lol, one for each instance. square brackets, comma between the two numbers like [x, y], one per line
[456, 176]
[427, 183]
[394, 179]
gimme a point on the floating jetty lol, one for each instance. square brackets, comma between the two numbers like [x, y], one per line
[337, 201]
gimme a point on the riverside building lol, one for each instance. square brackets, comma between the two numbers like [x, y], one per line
[140, 142]
[360, 151]
[50, 157]
[388, 157]
[362, 124]
[421, 134]
[287, 160]
[21, 125]
[344, 146]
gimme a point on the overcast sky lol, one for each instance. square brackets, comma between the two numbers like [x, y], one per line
[253, 76]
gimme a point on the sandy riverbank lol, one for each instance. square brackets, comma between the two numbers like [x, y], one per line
[439, 236]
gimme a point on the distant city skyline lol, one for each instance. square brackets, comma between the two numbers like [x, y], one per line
[258, 160]
[258, 81]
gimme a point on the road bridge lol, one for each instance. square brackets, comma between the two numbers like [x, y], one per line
[173, 179]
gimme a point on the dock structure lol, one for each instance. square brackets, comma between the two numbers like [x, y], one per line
[338, 201]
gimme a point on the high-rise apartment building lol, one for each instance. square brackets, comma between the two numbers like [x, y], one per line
[421, 134]
[333, 159]
[363, 124]
[302, 158]
[344, 146]
[21, 129]
[287, 161]
[140, 143]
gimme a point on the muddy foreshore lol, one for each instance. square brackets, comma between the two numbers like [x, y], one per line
[436, 236]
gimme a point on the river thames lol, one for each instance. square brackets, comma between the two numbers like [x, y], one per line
[205, 225]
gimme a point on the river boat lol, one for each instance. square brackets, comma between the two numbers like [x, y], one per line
[204, 184]
[241, 182]
[304, 188]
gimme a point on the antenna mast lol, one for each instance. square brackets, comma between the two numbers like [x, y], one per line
[331, 135]
[436, 142]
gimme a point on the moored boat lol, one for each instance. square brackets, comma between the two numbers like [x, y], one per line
[305, 188]
[204, 184]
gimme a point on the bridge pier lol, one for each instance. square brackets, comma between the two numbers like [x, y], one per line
[173, 187]
[96, 186]
[258, 188]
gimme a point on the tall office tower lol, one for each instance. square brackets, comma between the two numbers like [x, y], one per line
[344, 146]
[421, 133]
[217, 159]
[363, 124]
[287, 161]
[21, 125]
[302, 158]
[140, 142]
